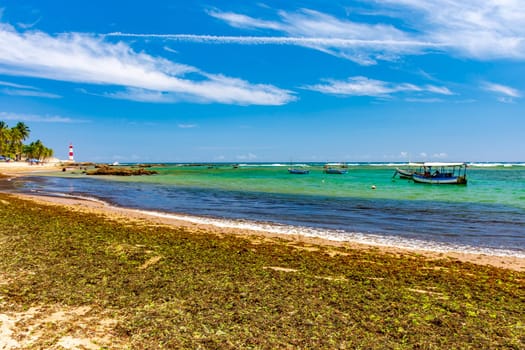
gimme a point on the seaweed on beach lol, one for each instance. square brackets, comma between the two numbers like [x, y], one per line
[175, 287]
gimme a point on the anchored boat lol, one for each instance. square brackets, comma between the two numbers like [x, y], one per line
[407, 171]
[298, 171]
[335, 171]
[404, 173]
[441, 173]
[336, 168]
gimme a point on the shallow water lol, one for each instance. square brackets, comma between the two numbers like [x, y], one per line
[485, 216]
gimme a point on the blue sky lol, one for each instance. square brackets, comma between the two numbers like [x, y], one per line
[265, 81]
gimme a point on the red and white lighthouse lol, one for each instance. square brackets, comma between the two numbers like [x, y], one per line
[71, 158]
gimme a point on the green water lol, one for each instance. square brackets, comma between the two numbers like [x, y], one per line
[366, 204]
[491, 185]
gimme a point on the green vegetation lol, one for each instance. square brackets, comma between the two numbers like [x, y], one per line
[172, 288]
[12, 147]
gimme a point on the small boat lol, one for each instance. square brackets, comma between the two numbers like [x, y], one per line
[329, 170]
[404, 173]
[298, 171]
[441, 173]
[337, 168]
[407, 171]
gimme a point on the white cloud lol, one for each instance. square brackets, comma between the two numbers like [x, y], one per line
[169, 49]
[360, 42]
[501, 89]
[24, 90]
[243, 21]
[362, 86]
[441, 155]
[187, 126]
[472, 28]
[424, 100]
[249, 156]
[13, 85]
[83, 58]
[38, 118]
[438, 90]
[31, 93]
[482, 29]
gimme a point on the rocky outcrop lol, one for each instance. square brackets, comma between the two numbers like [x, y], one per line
[119, 171]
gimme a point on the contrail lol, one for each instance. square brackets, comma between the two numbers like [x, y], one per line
[268, 40]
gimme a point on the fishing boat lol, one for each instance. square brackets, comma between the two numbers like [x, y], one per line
[441, 173]
[335, 171]
[332, 169]
[407, 171]
[298, 171]
[404, 173]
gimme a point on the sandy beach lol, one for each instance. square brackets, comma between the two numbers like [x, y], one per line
[124, 215]
[20, 168]
[146, 275]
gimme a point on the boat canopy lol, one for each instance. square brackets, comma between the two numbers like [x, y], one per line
[437, 164]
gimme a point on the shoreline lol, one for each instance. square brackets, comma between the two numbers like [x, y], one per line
[126, 215]
[17, 169]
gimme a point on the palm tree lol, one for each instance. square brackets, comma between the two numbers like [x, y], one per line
[4, 130]
[37, 150]
[23, 130]
[11, 143]
[19, 133]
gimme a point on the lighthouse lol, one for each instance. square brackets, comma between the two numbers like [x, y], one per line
[71, 159]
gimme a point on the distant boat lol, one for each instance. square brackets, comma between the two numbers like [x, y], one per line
[332, 170]
[298, 171]
[441, 173]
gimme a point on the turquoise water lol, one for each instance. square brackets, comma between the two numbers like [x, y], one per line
[367, 204]
[497, 185]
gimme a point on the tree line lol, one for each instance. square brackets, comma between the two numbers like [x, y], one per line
[12, 144]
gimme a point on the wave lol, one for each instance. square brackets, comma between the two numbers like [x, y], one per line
[338, 235]
[377, 240]
[69, 196]
[493, 165]
[247, 165]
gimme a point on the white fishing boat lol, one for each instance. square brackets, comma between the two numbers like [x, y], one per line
[407, 171]
[404, 173]
[441, 173]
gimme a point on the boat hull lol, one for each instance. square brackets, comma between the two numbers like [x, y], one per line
[404, 174]
[335, 171]
[298, 171]
[440, 180]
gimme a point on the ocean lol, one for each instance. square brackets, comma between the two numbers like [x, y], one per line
[365, 205]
